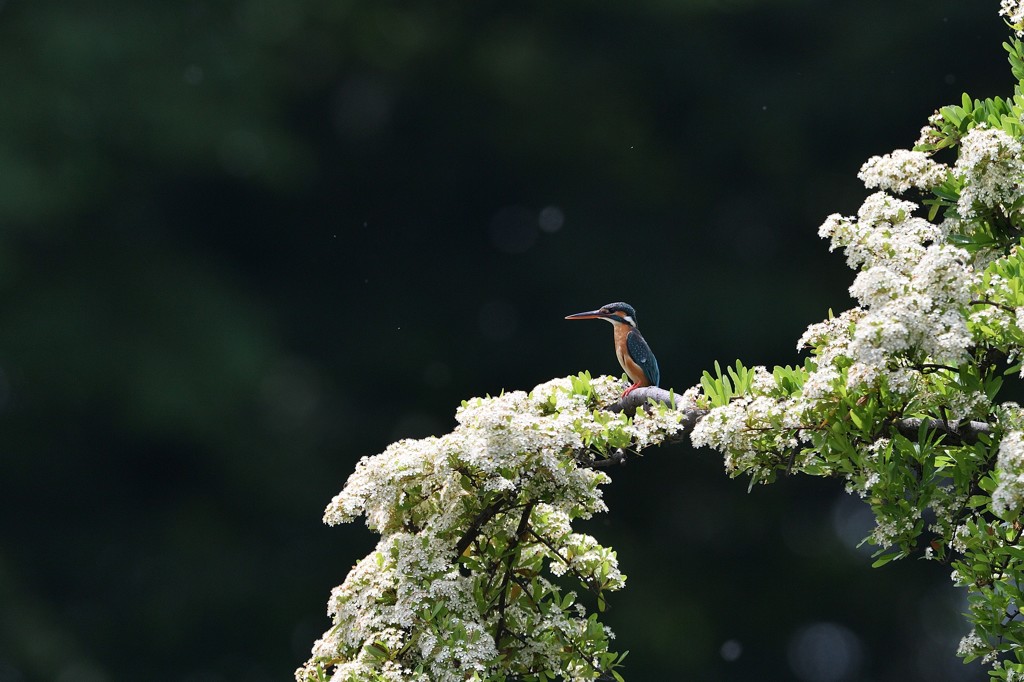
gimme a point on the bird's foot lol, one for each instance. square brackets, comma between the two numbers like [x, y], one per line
[630, 390]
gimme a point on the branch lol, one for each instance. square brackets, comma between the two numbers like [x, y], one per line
[966, 433]
[629, 404]
[589, 582]
[485, 515]
[641, 396]
[617, 457]
[512, 550]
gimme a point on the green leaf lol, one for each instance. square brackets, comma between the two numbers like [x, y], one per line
[377, 651]
[952, 114]
[883, 560]
[856, 419]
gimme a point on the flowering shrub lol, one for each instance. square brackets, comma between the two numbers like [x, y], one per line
[901, 394]
[478, 572]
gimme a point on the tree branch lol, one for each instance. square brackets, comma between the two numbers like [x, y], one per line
[965, 433]
[512, 550]
[485, 515]
[617, 457]
[641, 396]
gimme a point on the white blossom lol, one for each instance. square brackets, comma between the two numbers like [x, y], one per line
[416, 494]
[885, 231]
[946, 504]
[991, 169]
[957, 542]
[889, 529]
[930, 133]
[749, 425]
[912, 288]
[900, 170]
[971, 644]
[1008, 496]
[1010, 415]
[1013, 10]
[831, 343]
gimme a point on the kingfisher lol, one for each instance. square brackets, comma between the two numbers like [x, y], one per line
[633, 353]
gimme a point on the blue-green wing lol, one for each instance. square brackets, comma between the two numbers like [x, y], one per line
[642, 355]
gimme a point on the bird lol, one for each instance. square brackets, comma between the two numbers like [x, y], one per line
[631, 349]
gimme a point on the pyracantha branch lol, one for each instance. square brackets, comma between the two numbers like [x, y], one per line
[964, 433]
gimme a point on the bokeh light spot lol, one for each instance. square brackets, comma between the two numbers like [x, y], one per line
[852, 521]
[551, 219]
[193, 74]
[825, 652]
[362, 108]
[731, 650]
[513, 229]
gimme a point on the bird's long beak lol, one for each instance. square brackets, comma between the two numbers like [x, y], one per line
[589, 315]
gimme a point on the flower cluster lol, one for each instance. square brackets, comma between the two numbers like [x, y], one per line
[749, 425]
[1008, 497]
[991, 170]
[912, 287]
[472, 525]
[890, 385]
[1013, 10]
[902, 170]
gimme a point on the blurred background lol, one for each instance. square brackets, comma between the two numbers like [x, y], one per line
[243, 244]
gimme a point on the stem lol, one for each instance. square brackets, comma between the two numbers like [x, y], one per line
[485, 515]
[513, 551]
[986, 301]
[589, 582]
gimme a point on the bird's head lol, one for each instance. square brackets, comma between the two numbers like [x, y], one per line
[616, 313]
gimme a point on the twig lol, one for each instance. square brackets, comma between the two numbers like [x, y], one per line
[963, 433]
[588, 581]
[618, 457]
[485, 515]
[985, 301]
[525, 587]
[933, 367]
[1012, 543]
[513, 549]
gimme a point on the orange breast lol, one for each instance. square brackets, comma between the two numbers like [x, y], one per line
[633, 370]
